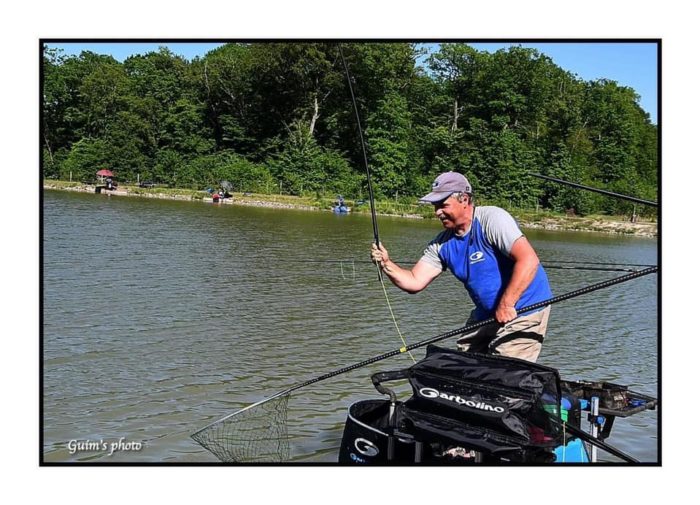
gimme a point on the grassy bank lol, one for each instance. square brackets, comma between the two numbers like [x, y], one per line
[527, 218]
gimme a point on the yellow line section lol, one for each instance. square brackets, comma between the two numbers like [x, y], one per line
[393, 318]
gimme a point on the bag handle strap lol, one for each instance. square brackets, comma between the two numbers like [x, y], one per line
[380, 377]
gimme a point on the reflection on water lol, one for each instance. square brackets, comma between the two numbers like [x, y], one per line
[161, 317]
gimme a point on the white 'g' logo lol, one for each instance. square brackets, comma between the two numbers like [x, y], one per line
[366, 447]
[429, 392]
[478, 255]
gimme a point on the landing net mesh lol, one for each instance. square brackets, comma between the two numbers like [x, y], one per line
[257, 434]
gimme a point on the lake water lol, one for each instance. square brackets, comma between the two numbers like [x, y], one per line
[160, 317]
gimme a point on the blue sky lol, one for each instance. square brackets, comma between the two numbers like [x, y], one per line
[632, 64]
[122, 50]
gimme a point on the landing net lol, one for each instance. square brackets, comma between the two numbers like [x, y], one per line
[255, 434]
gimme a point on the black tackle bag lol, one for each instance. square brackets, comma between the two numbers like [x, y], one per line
[500, 406]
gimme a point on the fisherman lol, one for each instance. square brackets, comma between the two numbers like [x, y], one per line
[484, 248]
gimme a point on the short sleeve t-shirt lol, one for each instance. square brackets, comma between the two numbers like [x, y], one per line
[498, 225]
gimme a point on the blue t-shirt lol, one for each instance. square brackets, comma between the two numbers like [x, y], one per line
[481, 260]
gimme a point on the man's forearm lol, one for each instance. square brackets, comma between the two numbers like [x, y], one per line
[401, 277]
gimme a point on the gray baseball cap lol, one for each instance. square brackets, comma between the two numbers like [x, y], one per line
[445, 185]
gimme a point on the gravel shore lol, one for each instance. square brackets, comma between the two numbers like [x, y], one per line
[564, 223]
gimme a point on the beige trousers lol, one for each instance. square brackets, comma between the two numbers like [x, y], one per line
[521, 338]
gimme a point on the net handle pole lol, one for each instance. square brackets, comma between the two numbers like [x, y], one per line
[464, 329]
[474, 326]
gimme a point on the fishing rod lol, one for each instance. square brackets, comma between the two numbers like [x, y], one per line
[371, 193]
[598, 443]
[459, 331]
[595, 190]
[644, 265]
[362, 144]
[588, 269]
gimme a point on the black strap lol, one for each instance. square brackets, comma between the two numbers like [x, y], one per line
[393, 375]
[514, 336]
[380, 377]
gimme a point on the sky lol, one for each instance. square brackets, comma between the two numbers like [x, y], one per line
[632, 64]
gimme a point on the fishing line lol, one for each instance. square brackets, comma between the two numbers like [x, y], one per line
[566, 265]
[393, 318]
[545, 263]
[612, 268]
[371, 194]
[342, 271]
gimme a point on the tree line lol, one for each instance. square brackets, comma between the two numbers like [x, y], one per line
[271, 117]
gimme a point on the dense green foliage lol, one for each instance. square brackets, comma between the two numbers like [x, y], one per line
[277, 117]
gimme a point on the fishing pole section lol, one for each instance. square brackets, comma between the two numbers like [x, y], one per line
[594, 190]
[375, 227]
[362, 144]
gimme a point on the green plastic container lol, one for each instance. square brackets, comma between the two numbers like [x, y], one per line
[563, 413]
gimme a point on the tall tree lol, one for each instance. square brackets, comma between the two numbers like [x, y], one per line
[225, 81]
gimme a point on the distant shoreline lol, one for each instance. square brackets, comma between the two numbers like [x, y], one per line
[598, 224]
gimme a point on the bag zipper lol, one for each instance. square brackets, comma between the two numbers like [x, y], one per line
[508, 390]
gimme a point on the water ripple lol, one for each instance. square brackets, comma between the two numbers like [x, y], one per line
[160, 317]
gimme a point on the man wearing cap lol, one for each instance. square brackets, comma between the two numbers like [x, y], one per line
[484, 248]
